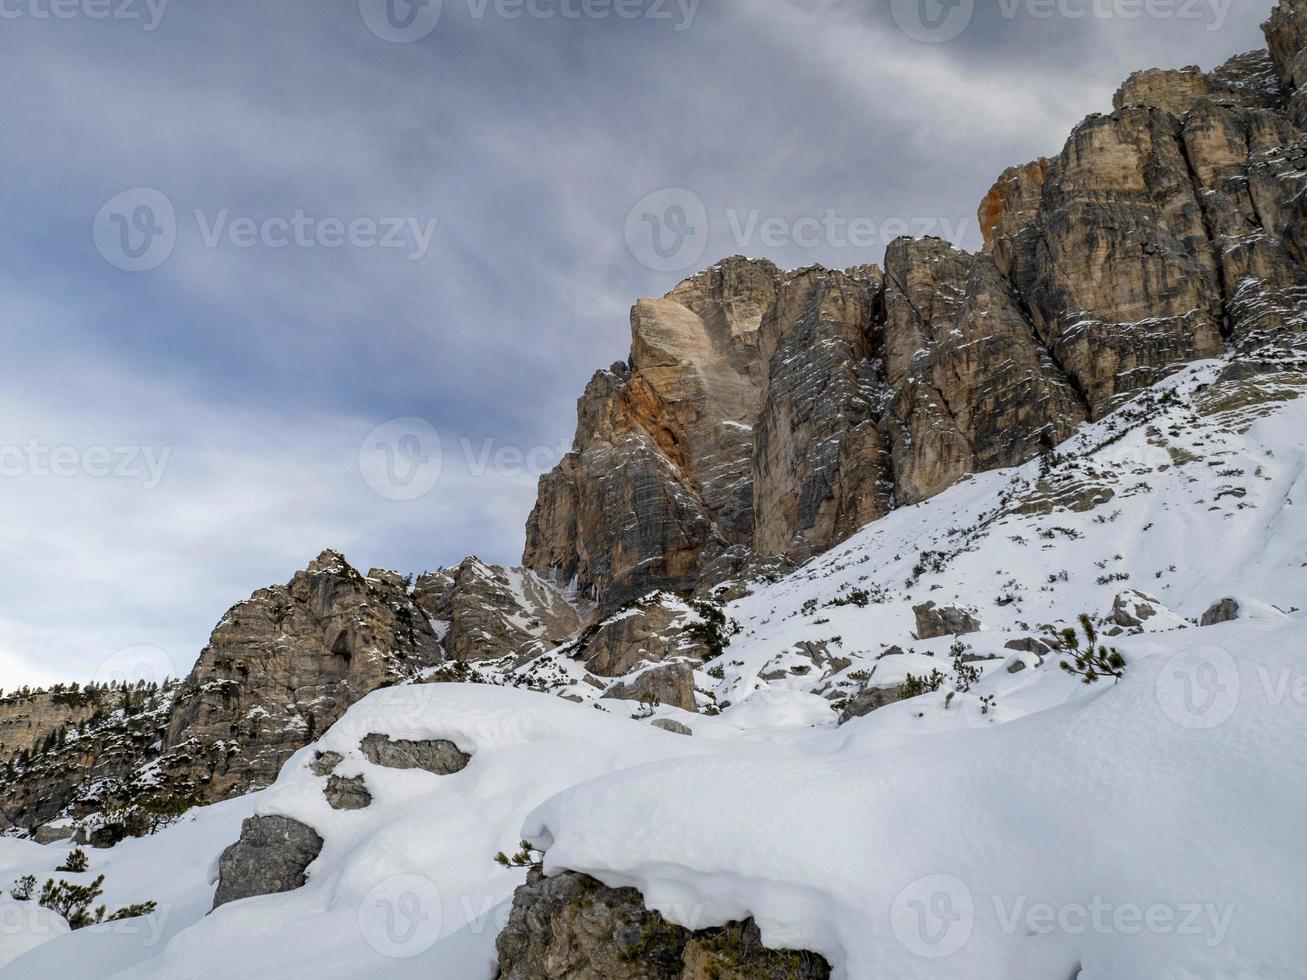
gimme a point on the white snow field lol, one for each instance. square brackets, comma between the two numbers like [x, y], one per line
[1143, 830]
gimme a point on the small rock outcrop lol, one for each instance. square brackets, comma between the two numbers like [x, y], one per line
[933, 621]
[438, 756]
[656, 629]
[1225, 611]
[325, 763]
[572, 927]
[671, 685]
[489, 612]
[1029, 644]
[272, 856]
[867, 700]
[1132, 609]
[347, 794]
[672, 726]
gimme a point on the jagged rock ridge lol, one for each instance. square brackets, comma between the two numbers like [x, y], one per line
[769, 413]
[280, 669]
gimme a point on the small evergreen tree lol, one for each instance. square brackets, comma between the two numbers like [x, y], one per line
[76, 861]
[22, 888]
[916, 686]
[73, 902]
[1093, 661]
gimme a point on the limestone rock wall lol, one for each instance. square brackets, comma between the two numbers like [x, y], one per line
[774, 413]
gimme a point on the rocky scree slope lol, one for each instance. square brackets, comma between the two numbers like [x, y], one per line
[764, 413]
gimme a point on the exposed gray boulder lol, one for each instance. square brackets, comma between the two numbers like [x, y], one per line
[866, 701]
[671, 684]
[675, 727]
[325, 763]
[574, 927]
[1225, 611]
[1028, 644]
[272, 856]
[933, 621]
[347, 794]
[1133, 608]
[51, 835]
[438, 756]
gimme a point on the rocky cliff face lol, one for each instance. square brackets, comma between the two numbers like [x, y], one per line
[661, 465]
[764, 413]
[280, 669]
[96, 740]
[763, 417]
[284, 665]
[28, 721]
[1156, 237]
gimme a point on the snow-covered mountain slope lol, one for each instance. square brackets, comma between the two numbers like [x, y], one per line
[1012, 823]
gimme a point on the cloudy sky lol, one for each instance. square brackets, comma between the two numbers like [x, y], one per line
[277, 275]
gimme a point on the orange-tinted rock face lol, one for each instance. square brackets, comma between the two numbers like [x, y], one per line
[776, 413]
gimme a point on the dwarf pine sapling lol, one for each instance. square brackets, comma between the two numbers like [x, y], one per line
[22, 888]
[73, 902]
[1095, 661]
[76, 861]
[524, 858]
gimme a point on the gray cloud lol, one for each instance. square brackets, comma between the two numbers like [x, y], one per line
[529, 141]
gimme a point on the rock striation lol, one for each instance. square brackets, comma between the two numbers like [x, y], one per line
[283, 666]
[771, 414]
[486, 612]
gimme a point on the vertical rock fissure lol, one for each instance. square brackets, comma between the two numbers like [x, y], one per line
[1201, 195]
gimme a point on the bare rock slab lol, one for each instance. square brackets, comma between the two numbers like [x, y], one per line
[272, 856]
[438, 756]
[934, 621]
